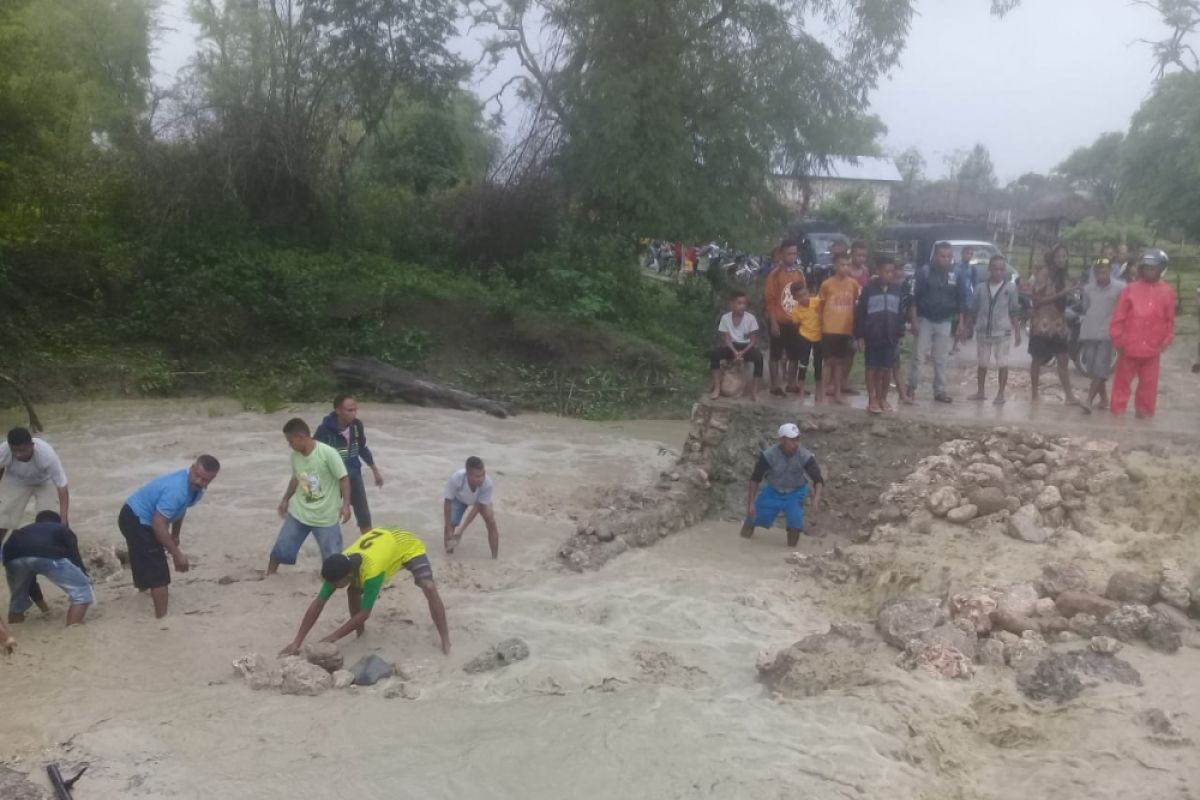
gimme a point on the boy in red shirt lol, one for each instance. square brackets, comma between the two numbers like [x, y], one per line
[1142, 327]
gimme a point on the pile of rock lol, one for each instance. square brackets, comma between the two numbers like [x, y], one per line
[838, 659]
[1020, 482]
[1015, 625]
[314, 673]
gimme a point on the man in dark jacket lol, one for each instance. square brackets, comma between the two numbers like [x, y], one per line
[879, 326]
[787, 468]
[50, 549]
[343, 431]
[937, 302]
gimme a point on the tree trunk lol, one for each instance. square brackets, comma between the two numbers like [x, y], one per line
[35, 424]
[398, 384]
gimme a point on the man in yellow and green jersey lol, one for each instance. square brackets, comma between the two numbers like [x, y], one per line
[362, 569]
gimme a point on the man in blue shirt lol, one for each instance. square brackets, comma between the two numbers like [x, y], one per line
[144, 521]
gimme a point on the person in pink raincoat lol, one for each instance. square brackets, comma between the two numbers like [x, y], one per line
[1142, 327]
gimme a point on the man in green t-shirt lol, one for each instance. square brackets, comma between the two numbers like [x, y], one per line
[317, 499]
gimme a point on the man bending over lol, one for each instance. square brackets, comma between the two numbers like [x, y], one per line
[471, 488]
[362, 570]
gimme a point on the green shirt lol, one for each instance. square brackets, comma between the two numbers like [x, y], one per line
[318, 498]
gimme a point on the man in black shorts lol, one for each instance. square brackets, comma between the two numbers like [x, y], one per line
[785, 339]
[151, 521]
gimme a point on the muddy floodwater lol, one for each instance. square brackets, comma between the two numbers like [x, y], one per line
[641, 680]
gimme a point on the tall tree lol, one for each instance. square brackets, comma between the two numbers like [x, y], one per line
[671, 115]
[1096, 169]
[976, 174]
[1160, 165]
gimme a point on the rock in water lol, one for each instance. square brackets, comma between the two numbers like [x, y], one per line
[1130, 587]
[837, 659]
[1063, 577]
[1174, 589]
[371, 669]
[1084, 625]
[1026, 525]
[1049, 498]
[247, 665]
[402, 689]
[937, 659]
[921, 521]
[974, 607]
[1025, 653]
[1019, 599]
[960, 637]
[1105, 644]
[1128, 623]
[1162, 635]
[902, 620]
[991, 652]
[1062, 676]
[303, 678]
[1176, 618]
[325, 655]
[988, 500]
[1072, 603]
[342, 678]
[962, 514]
[102, 562]
[500, 655]
[942, 500]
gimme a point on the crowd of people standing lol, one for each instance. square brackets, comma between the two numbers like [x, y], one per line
[821, 318]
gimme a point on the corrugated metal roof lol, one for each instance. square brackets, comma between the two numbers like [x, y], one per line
[867, 168]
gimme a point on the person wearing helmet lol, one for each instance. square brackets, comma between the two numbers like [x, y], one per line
[788, 468]
[1142, 327]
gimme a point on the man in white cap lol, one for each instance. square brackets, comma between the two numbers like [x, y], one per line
[787, 468]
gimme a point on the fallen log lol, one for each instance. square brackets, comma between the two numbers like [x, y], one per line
[399, 384]
[35, 424]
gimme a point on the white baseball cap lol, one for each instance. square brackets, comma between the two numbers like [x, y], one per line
[788, 430]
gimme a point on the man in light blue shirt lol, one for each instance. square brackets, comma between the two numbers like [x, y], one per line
[144, 521]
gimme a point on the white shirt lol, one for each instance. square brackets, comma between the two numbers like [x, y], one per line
[739, 334]
[458, 488]
[43, 468]
[994, 288]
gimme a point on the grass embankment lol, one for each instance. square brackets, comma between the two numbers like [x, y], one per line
[263, 324]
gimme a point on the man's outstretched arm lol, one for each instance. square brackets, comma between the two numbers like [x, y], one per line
[310, 618]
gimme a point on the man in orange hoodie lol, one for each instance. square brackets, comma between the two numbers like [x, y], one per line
[1142, 327]
[785, 338]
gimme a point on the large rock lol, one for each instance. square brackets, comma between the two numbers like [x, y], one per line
[102, 562]
[974, 607]
[991, 476]
[1026, 652]
[921, 521]
[1019, 599]
[837, 659]
[499, 655]
[1048, 498]
[903, 620]
[1063, 676]
[371, 669]
[1176, 618]
[1161, 634]
[1026, 525]
[962, 514]
[1014, 623]
[960, 637]
[937, 659]
[1128, 623]
[991, 652]
[942, 500]
[325, 655]
[1084, 625]
[988, 500]
[1063, 577]
[303, 678]
[1174, 587]
[1072, 603]
[1130, 587]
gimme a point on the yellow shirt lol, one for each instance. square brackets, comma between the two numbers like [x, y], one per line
[839, 296]
[808, 319]
[384, 552]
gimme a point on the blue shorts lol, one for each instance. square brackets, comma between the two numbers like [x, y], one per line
[294, 532]
[771, 503]
[458, 509]
[59, 571]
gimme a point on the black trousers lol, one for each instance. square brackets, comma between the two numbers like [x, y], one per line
[810, 353]
[723, 353]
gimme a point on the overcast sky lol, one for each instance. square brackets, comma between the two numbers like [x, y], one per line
[1049, 77]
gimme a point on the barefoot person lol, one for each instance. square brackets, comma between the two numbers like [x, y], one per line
[879, 326]
[469, 487]
[784, 341]
[362, 570]
[1142, 327]
[317, 499]
[152, 520]
[1096, 352]
[32, 470]
[739, 344]
[839, 297]
[806, 316]
[787, 468]
[343, 431]
[50, 549]
[1049, 336]
[994, 316]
